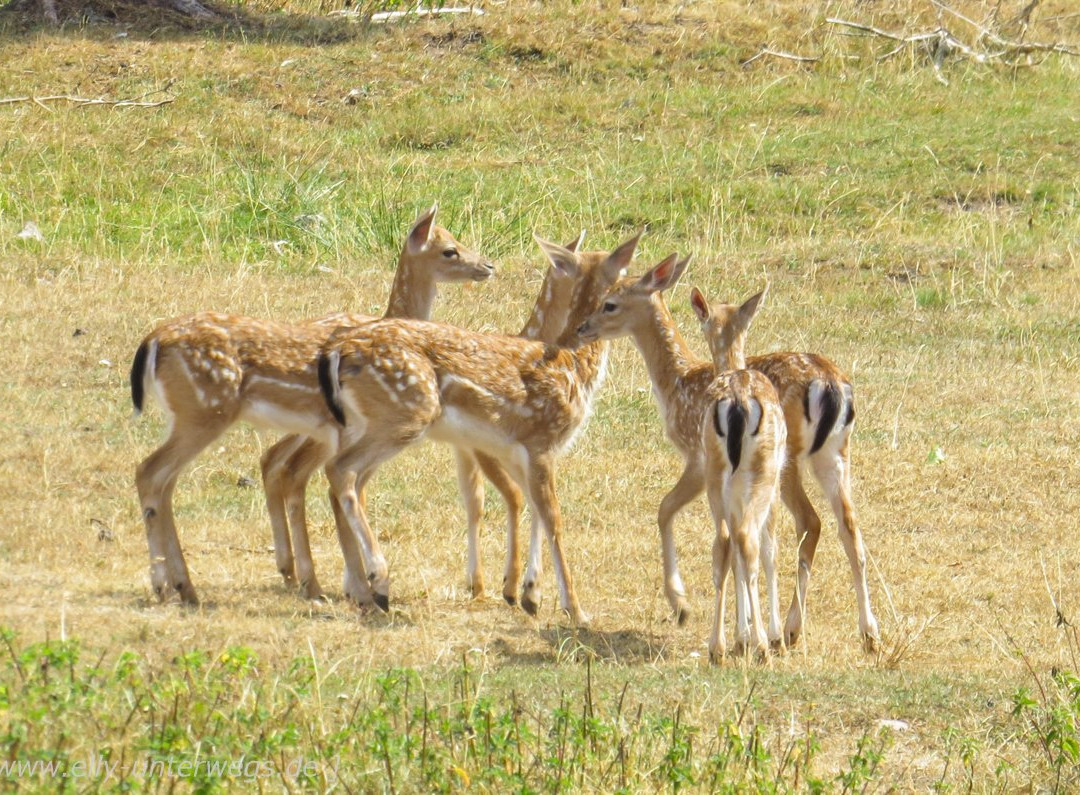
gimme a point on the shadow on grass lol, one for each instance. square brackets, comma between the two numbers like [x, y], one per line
[107, 20]
[569, 644]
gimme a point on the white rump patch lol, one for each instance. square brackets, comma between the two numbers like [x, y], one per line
[721, 408]
[755, 416]
[816, 396]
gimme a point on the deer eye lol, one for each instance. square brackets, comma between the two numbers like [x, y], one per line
[610, 306]
[450, 253]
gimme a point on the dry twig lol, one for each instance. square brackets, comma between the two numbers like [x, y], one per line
[85, 101]
[767, 51]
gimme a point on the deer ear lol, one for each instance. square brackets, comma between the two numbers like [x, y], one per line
[562, 259]
[421, 230]
[619, 259]
[749, 308]
[699, 304]
[575, 245]
[664, 275]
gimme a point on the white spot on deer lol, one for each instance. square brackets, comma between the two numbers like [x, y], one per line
[280, 382]
[200, 395]
[386, 388]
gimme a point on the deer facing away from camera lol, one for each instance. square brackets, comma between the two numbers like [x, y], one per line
[209, 370]
[819, 412]
[686, 392]
[744, 439]
[519, 401]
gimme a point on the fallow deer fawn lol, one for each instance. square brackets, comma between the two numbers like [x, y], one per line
[288, 471]
[744, 438]
[209, 370]
[819, 412]
[520, 401]
[429, 257]
[687, 392]
[545, 324]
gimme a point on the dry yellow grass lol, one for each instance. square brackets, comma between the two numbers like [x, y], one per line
[957, 323]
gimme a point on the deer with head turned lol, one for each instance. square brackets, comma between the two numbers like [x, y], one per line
[545, 324]
[209, 370]
[744, 439]
[519, 401]
[819, 411]
[288, 466]
[688, 393]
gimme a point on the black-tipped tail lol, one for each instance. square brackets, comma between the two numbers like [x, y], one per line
[735, 416]
[832, 400]
[138, 375]
[327, 378]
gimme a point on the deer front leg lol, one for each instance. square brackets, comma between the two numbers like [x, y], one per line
[514, 500]
[301, 465]
[472, 495]
[545, 505]
[530, 592]
[273, 466]
[690, 484]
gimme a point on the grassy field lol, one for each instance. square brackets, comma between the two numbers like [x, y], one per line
[923, 234]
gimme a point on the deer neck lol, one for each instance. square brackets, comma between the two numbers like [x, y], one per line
[730, 355]
[547, 319]
[413, 293]
[667, 356]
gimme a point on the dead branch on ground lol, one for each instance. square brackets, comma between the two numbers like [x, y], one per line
[988, 45]
[85, 101]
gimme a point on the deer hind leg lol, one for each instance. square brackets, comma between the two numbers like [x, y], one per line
[807, 534]
[690, 484]
[530, 592]
[388, 429]
[514, 500]
[768, 564]
[348, 474]
[721, 565]
[355, 585]
[545, 506]
[155, 479]
[747, 550]
[472, 495]
[273, 466]
[833, 473]
[302, 463]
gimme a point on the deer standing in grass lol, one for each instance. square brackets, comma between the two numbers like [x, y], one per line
[546, 322]
[519, 401]
[209, 370]
[819, 412]
[744, 439]
[287, 472]
[687, 392]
